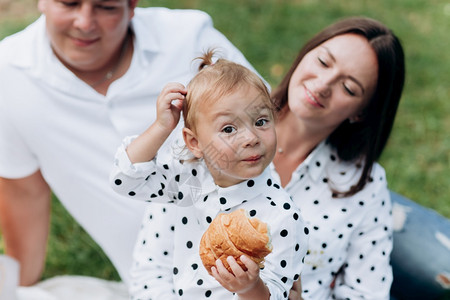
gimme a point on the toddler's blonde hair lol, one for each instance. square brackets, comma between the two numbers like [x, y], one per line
[216, 80]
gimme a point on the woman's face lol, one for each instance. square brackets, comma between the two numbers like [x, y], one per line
[334, 82]
[86, 33]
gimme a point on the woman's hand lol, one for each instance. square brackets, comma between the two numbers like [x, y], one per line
[296, 291]
[247, 284]
[169, 105]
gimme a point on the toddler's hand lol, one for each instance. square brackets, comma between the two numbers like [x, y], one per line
[169, 105]
[242, 281]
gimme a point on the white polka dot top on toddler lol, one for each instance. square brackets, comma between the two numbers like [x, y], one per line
[167, 263]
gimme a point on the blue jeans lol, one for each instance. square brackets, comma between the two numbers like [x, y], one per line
[421, 254]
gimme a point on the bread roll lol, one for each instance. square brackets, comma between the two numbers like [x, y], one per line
[235, 234]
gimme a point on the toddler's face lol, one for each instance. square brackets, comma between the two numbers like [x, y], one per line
[236, 135]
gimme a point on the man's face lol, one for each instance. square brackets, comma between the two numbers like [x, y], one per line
[85, 34]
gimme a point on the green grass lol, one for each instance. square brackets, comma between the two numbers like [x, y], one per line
[269, 33]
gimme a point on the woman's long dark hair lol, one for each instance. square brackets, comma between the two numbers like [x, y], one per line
[366, 139]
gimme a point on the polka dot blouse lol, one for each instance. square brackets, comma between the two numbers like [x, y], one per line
[350, 237]
[167, 264]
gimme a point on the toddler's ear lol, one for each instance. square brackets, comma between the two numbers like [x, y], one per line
[190, 139]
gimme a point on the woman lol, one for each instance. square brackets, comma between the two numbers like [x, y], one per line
[336, 108]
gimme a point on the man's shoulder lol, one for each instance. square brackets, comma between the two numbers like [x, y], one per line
[18, 46]
[164, 13]
[162, 16]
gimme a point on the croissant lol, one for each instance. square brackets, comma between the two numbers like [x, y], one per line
[235, 234]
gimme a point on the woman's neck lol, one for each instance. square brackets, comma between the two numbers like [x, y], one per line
[295, 138]
[295, 141]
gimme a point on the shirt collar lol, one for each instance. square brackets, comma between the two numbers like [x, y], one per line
[232, 196]
[30, 51]
[237, 194]
[37, 61]
[36, 56]
[315, 162]
[145, 37]
[313, 165]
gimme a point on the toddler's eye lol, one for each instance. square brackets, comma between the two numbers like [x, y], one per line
[261, 122]
[228, 129]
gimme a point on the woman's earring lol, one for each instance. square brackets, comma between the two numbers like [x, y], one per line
[356, 119]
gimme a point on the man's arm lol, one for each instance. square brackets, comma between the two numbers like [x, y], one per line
[24, 222]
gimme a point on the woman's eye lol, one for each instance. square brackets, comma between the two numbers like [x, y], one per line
[261, 122]
[228, 129]
[322, 62]
[348, 90]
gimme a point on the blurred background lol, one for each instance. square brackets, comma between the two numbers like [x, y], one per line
[270, 33]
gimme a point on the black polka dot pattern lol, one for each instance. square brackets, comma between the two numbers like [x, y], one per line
[172, 238]
[352, 233]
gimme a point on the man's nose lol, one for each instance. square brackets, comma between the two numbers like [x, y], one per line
[85, 18]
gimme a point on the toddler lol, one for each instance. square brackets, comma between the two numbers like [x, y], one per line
[230, 140]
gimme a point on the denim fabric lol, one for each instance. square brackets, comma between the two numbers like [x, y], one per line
[421, 253]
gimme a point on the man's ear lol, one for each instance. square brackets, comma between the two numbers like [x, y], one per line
[41, 6]
[133, 3]
[191, 141]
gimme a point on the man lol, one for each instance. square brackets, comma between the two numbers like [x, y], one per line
[72, 85]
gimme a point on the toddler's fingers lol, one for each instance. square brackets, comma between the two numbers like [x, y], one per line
[252, 267]
[175, 95]
[214, 272]
[175, 87]
[178, 103]
[222, 271]
[235, 267]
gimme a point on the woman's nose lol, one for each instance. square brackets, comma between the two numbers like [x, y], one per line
[323, 85]
[324, 90]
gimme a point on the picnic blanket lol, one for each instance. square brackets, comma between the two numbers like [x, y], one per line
[69, 287]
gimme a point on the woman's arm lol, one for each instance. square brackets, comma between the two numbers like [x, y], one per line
[367, 270]
[296, 291]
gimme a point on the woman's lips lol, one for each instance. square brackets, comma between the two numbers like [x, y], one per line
[311, 99]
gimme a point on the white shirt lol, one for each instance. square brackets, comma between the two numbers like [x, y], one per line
[199, 200]
[354, 232]
[52, 121]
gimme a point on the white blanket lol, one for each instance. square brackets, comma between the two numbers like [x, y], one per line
[74, 288]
